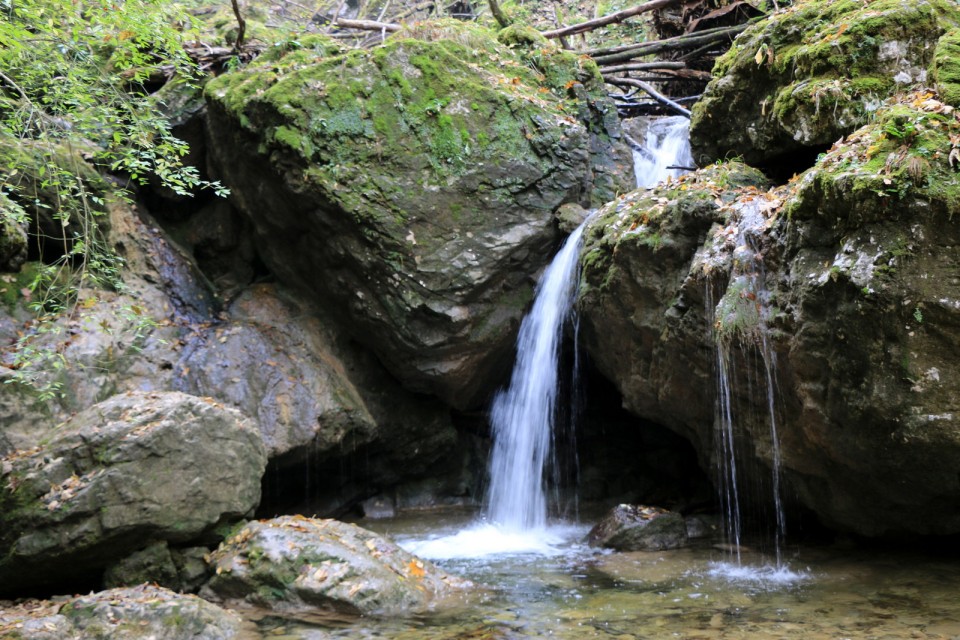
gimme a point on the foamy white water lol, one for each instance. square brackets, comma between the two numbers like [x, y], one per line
[769, 575]
[667, 144]
[522, 416]
[484, 539]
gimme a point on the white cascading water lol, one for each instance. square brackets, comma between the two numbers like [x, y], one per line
[666, 144]
[522, 416]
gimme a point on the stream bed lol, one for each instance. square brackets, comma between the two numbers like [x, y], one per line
[567, 590]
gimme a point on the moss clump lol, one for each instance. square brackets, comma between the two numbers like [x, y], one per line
[653, 219]
[908, 152]
[300, 51]
[814, 72]
[360, 121]
[946, 67]
[523, 36]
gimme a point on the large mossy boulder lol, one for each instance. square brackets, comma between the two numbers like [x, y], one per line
[412, 187]
[292, 565]
[839, 288]
[138, 613]
[136, 468]
[796, 82]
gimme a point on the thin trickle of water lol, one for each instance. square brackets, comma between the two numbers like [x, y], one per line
[522, 416]
[741, 318]
[666, 144]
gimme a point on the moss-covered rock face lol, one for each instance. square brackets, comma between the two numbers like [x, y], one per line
[414, 185]
[133, 468]
[843, 282]
[294, 565]
[946, 67]
[814, 72]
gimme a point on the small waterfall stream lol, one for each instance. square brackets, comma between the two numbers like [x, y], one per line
[666, 144]
[522, 416]
[740, 319]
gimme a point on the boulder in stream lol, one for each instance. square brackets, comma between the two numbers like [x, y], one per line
[629, 527]
[411, 188]
[840, 288]
[292, 565]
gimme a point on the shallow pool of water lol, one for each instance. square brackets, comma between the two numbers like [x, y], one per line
[567, 590]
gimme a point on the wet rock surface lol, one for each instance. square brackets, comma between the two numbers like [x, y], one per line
[292, 565]
[630, 527]
[836, 285]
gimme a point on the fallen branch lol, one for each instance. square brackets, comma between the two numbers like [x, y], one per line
[367, 25]
[619, 16]
[670, 44]
[594, 53]
[650, 91]
[645, 66]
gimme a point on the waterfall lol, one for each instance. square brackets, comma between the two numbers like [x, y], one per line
[522, 416]
[666, 144]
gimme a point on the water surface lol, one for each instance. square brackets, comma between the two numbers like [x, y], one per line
[567, 590]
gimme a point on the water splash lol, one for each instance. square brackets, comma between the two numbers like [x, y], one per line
[522, 416]
[666, 144]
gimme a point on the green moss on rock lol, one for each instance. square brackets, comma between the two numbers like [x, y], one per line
[946, 67]
[813, 72]
[908, 153]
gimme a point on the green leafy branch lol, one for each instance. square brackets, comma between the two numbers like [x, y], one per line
[75, 85]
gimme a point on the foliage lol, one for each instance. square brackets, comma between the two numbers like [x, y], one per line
[75, 79]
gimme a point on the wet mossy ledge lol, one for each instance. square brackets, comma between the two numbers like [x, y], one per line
[421, 178]
[816, 71]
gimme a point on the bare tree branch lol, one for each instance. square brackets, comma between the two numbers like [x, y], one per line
[368, 25]
[650, 91]
[619, 16]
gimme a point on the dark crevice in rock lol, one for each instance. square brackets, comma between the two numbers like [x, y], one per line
[784, 166]
[623, 458]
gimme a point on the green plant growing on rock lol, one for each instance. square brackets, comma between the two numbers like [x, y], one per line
[75, 81]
